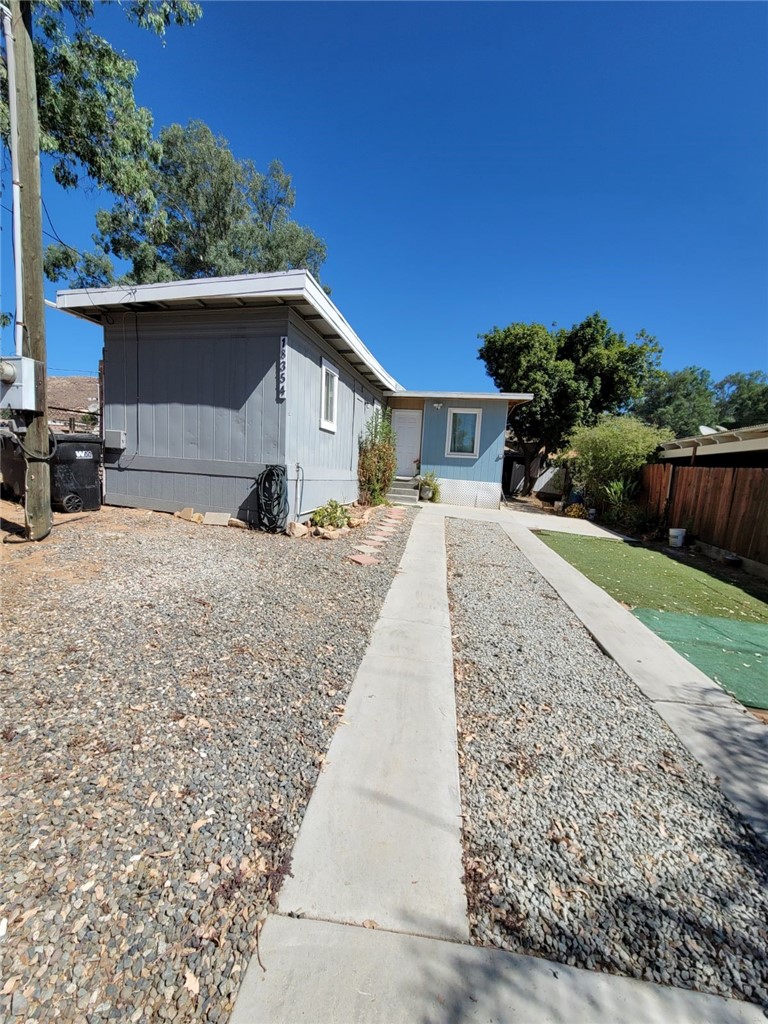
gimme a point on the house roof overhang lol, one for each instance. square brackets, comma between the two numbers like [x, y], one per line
[724, 442]
[511, 398]
[295, 289]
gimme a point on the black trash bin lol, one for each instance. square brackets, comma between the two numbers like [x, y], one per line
[75, 477]
[75, 482]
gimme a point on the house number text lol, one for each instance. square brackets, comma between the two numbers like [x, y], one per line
[282, 368]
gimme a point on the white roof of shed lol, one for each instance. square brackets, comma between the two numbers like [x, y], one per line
[296, 289]
[724, 442]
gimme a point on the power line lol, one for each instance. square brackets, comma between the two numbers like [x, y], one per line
[80, 373]
[56, 234]
[55, 237]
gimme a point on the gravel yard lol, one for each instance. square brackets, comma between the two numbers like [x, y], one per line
[167, 694]
[591, 836]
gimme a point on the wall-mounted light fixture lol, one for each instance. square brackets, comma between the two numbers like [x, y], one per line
[438, 405]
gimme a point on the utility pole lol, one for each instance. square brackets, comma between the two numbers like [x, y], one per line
[36, 441]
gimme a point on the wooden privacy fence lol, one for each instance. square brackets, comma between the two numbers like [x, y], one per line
[724, 507]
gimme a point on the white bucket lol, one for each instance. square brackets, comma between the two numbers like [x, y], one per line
[676, 538]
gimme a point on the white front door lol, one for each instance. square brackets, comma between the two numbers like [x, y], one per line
[406, 423]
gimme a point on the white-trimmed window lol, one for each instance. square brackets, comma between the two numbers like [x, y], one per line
[329, 396]
[462, 439]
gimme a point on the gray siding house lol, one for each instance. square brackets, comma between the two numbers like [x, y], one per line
[208, 382]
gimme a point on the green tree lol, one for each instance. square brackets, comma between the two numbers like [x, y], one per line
[742, 399]
[205, 214]
[683, 400]
[574, 375]
[612, 451]
[90, 125]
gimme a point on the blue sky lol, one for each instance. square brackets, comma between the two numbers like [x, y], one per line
[474, 164]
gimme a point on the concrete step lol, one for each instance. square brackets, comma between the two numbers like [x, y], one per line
[408, 498]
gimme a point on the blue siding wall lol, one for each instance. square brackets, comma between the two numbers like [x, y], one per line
[473, 481]
[488, 464]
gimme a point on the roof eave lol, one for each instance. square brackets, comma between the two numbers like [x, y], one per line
[285, 288]
[485, 396]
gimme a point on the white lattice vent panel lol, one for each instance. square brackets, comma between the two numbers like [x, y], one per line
[471, 493]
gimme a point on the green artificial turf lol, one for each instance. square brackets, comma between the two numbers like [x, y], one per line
[734, 654]
[642, 578]
[713, 624]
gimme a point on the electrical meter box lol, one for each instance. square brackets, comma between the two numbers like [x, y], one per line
[21, 384]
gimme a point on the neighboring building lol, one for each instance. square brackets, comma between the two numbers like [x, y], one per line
[745, 446]
[208, 382]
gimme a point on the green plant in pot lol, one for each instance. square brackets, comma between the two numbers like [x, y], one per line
[429, 486]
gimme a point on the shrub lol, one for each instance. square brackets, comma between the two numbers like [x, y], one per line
[377, 459]
[611, 453]
[331, 514]
[576, 511]
[617, 500]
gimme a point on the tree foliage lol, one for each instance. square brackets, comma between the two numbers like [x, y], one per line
[574, 375]
[683, 401]
[90, 124]
[688, 399]
[742, 399]
[610, 452]
[206, 214]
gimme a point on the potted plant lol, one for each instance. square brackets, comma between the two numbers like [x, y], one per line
[429, 487]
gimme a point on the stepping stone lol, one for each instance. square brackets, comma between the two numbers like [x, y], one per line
[363, 559]
[367, 549]
[215, 518]
[380, 538]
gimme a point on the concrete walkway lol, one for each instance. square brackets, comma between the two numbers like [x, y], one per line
[381, 839]
[376, 892]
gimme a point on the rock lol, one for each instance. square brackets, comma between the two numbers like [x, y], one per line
[329, 534]
[238, 524]
[185, 513]
[216, 519]
[198, 518]
[297, 530]
[355, 523]
[18, 1004]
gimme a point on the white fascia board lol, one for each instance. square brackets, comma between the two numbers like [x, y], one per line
[285, 284]
[317, 298]
[474, 396]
